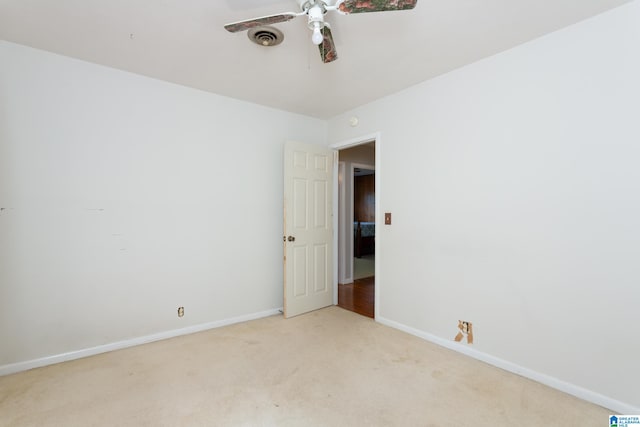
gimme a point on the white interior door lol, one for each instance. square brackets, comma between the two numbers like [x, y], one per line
[308, 228]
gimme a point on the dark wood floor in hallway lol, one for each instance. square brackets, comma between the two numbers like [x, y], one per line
[358, 296]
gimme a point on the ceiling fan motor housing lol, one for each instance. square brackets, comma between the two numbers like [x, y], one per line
[306, 5]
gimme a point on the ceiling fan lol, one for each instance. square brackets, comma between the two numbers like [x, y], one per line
[315, 10]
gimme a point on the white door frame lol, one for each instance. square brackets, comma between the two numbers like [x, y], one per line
[377, 140]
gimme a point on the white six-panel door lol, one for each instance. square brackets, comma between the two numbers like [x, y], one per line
[308, 228]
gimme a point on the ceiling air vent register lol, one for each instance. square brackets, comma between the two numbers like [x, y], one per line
[266, 36]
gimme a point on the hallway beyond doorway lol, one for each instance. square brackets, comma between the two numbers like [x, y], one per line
[364, 266]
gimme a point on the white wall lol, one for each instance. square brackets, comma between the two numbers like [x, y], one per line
[125, 197]
[514, 185]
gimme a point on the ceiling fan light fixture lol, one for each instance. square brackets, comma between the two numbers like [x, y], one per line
[316, 23]
[317, 36]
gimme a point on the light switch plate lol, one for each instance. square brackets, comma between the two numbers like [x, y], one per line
[387, 218]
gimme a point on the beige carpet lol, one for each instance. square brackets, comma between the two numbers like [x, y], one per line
[327, 368]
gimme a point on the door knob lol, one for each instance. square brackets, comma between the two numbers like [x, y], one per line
[291, 239]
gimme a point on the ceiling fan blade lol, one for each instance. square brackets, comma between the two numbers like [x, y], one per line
[327, 48]
[362, 6]
[257, 22]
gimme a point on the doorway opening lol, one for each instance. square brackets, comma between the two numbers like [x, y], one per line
[356, 228]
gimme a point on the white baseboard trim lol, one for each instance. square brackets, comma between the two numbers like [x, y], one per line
[78, 354]
[613, 405]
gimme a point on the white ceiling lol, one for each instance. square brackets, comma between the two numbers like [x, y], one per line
[183, 41]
